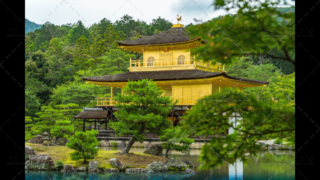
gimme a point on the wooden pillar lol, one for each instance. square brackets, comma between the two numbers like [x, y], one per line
[95, 124]
[111, 95]
[84, 125]
[130, 62]
[106, 123]
[172, 118]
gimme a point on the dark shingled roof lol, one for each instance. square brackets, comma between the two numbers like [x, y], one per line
[92, 114]
[165, 75]
[173, 35]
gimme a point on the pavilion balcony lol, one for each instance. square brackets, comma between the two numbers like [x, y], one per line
[190, 63]
[182, 101]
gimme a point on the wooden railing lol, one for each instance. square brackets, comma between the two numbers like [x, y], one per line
[182, 100]
[105, 101]
[175, 62]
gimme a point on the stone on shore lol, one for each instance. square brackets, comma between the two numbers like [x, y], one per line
[67, 168]
[157, 167]
[29, 151]
[117, 164]
[189, 171]
[112, 170]
[135, 170]
[154, 149]
[176, 165]
[81, 169]
[39, 162]
[189, 163]
[93, 166]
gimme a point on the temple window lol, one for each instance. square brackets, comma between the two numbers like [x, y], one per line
[181, 59]
[151, 61]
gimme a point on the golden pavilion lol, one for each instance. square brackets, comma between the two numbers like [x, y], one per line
[168, 61]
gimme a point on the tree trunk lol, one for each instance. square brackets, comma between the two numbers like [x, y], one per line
[128, 146]
[167, 152]
[132, 140]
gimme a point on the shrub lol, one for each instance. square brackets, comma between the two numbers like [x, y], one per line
[59, 165]
[85, 144]
[278, 141]
[114, 144]
[26, 158]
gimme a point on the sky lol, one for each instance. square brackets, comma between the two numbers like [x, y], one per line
[61, 12]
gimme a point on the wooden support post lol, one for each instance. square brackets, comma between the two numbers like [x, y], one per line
[172, 118]
[106, 123]
[130, 62]
[84, 125]
[95, 124]
[111, 95]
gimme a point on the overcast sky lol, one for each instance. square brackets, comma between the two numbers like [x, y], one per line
[92, 11]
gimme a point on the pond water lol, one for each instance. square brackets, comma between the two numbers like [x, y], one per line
[275, 165]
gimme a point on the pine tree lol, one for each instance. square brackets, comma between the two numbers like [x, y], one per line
[110, 36]
[85, 145]
[142, 109]
[82, 53]
[97, 49]
[174, 144]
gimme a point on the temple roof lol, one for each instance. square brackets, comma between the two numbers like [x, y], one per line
[173, 35]
[165, 75]
[92, 113]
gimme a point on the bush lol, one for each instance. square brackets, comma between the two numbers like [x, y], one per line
[278, 141]
[26, 158]
[85, 144]
[114, 144]
[59, 165]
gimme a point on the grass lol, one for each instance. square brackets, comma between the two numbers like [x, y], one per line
[133, 160]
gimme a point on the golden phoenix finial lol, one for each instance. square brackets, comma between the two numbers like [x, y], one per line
[179, 18]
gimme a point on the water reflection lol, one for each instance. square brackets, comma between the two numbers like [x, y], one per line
[278, 165]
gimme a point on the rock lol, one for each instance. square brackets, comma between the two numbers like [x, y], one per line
[93, 166]
[157, 167]
[104, 144]
[67, 168]
[81, 169]
[112, 170]
[117, 164]
[39, 162]
[37, 140]
[175, 165]
[148, 145]
[135, 170]
[189, 163]
[122, 144]
[29, 151]
[154, 149]
[277, 146]
[189, 171]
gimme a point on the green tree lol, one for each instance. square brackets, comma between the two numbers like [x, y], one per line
[172, 144]
[85, 145]
[110, 38]
[261, 120]
[62, 128]
[48, 116]
[82, 53]
[142, 109]
[97, 50]
[78, 31]
[255, 29]
[79, 93]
